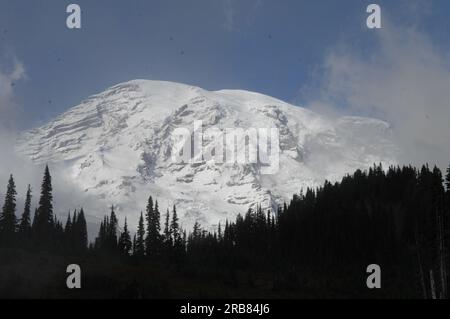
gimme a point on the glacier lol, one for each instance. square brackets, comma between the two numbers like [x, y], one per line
[116, 147]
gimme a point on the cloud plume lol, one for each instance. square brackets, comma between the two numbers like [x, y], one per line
[405, 81]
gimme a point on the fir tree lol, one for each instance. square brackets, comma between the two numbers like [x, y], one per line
[68, 235]
[68, 227]
[149, 219]
[219, 232]
[112, 231]
[101, 237]
[81, 237]
[153, 239]
[44, 223]
[8, 220]
[179, 241]
[25, 221]
[174, 227]
[167, 230]
[140, 240]
[125, 244]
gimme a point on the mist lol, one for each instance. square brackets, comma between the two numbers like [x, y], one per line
[66, 196]
[404, 81]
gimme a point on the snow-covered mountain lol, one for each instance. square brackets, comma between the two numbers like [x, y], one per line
[117, 145]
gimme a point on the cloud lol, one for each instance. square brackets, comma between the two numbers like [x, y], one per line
[12, 72]
[8, 80]
[405, 81]
[66, 195]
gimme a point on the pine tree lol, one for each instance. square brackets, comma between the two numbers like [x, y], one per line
[196, 232]
[153, 239]
[101, 237]
[157, 227]
[8, 220]
[174, 227]
[44, 222]
[68, 227]
[68, 235]
[219, 233]
[106, 240]
[140, 240]
[125, 244]
[25, 221]
[167, 230]
[179, 242]
[81, 237]
[149, 218]
[58, 237]
[112, 231]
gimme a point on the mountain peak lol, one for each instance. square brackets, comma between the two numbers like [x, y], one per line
[117, 144]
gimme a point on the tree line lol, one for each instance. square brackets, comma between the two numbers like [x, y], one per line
[324, 237]
[44, 231]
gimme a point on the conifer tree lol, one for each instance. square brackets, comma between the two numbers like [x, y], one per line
[74, 219]
[112, 231]
[58, 237]
[157, 222]
[149, 218]
[219, 232]
[68, 227]
[196, 231]
[179, 240]
[44, 222]
[125, 244]
[140, 240]
[101, 237]
[167, 230]
[81, 237]
[153, 239]
[25, 221]
[8, 220]
[174, 227]
[68, 238]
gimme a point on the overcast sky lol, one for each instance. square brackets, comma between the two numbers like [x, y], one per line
[318, 54]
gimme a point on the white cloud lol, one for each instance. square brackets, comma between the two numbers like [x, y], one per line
[8, 80]
[66, 196]
[12, 73]
[406, 81]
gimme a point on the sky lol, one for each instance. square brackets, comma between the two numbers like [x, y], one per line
[273, 47]
[317, 54]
